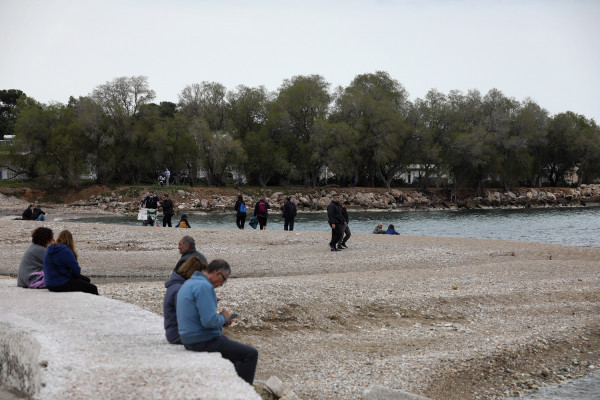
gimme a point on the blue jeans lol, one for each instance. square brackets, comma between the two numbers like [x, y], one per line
[243, 357]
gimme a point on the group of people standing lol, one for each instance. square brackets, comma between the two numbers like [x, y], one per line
[154, 203]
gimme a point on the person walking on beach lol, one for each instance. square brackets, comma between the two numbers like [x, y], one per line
[347, 233]
[187, 249]
[336, 222]
[261, 211]
[201, 327]
[152, 202]
[240, 212]
[289, 214]
[168, 210]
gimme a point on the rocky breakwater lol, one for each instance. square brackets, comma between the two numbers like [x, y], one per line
[394, 199]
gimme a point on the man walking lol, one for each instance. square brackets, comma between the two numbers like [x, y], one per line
[347, 233]
[289, 214]
[336, 221]
[201, 328]
[151, 202]
[168, 210]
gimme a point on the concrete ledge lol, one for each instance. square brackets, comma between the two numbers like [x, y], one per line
[80, 346]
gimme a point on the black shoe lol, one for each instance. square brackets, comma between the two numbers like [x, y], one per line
[340, 247]
[333, 248]
[344, 245]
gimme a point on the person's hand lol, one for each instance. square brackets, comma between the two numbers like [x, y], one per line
[225, 313]
[332, 226]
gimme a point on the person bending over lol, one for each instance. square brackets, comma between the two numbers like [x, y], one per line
[201, 327]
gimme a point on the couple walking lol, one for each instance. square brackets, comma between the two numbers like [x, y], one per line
[337, 216]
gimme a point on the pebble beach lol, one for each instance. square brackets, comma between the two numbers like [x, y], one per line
[439, 317]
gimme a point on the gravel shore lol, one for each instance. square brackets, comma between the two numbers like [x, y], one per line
[441, 317]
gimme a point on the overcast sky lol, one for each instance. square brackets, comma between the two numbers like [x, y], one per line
[548, 50]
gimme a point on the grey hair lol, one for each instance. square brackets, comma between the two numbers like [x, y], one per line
[189, 241]
[218, 265]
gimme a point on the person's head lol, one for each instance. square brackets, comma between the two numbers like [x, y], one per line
[150, 193]
[346, 204]
[30, 206]
[42, 236]
[289, 198]
[184, 217]
[66, 237]
[391, 227]
[380, 225]
[336, 197]
[165, 196]
[191, 265]
[240, 197]
[186, 243]
[218, 272]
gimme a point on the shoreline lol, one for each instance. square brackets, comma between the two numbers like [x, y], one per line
[488, 318]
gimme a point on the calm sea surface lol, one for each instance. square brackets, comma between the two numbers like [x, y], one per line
[568, 226]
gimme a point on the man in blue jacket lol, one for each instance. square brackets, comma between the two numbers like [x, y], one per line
[201, 327]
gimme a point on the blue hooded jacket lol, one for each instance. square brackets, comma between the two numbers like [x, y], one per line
[170, 307]
[197, 316]
[60, 265]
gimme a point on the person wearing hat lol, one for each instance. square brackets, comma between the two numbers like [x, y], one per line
[336, 221]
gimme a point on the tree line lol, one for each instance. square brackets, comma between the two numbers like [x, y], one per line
[369, 130]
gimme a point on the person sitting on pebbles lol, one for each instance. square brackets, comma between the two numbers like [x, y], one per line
[379, 229]
[391, 230]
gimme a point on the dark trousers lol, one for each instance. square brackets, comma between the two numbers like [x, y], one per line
[336, 234]
[76, 285]
[262, 221]
[346, 235]
[240, 221]
[288, 223]
[243, 357]
[167, 220]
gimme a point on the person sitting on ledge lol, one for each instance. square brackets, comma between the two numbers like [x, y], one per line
[379, 229]
[173, 285]
[62, 272]
[391, 230]
[201, 327]
[33, 258]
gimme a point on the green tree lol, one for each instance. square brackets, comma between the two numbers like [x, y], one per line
[8, 115]
[247, 110]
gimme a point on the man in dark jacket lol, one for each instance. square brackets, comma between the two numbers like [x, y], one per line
[289, 214]
[347, 233]
[261, 212]
[187, 249]
[152, 202]
[168, 210]
[336, 221]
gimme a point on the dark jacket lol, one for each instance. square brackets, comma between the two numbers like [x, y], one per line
[334, 213]
[36, 213]
[150, 201]
[185, 256]
[170, 307]
[27, 213]
[345, 214]
[238, 204]
[167, 207]
[258, 213]
[289, 210]
[60, 265]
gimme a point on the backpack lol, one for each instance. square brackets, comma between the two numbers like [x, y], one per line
[243, 208]
[35, 280]
[182, 224]
[262, 207]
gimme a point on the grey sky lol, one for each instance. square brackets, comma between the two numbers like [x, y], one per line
[548, 50]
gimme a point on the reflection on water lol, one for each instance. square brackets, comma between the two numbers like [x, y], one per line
[568, 226]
